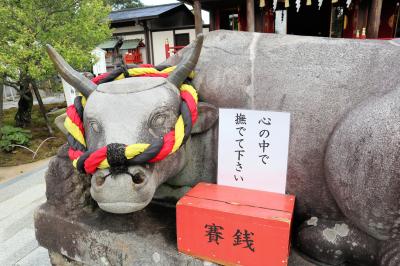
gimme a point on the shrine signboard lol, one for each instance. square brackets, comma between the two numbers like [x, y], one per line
[253, 149]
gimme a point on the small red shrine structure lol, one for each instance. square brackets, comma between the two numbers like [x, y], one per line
[133, 54]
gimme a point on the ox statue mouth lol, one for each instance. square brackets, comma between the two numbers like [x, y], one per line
[123, 192]
[122, 207]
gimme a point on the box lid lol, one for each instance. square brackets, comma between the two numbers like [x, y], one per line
[244, 197]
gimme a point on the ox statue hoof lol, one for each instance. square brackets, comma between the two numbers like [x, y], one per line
[336, 243]
[58, 259]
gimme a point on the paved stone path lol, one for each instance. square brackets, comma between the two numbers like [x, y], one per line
[19, 198]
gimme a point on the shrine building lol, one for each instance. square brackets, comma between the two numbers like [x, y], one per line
[148, 35]
[327, 18]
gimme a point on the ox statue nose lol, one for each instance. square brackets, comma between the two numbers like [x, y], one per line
[134, 177]
[123, 189]
[118, 165]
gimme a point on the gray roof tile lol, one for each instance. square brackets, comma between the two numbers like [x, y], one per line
[141, 13]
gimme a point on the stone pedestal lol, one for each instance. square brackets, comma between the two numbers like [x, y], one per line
[143, 238]
[147, 237]
[77, 232]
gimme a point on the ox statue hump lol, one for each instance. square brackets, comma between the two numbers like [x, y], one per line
[344, 152]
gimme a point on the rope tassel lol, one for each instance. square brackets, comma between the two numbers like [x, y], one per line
[89, 161]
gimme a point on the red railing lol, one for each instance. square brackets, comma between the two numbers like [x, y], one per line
[169, 48]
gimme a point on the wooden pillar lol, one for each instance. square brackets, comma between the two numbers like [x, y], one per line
[355, 18]
[250, 15]
[198, 22]
[374, 19]
[268, 18]
[212, 20]
[217, 18]
[147, 41]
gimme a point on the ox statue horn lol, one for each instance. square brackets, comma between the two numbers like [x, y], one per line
[73, 77]
[187, 64]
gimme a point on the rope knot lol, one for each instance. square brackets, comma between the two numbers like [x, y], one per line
[116, 158]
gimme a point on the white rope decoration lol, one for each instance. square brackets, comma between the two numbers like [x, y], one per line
[319, 4]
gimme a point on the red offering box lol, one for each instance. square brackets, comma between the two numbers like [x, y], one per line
[235, 226]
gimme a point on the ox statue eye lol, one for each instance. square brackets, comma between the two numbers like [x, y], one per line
[158, 120]
[95, 126]
[161, 120]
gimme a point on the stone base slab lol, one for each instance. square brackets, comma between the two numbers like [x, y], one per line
[147, 237]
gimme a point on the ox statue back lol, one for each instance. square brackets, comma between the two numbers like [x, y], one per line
[344, 152]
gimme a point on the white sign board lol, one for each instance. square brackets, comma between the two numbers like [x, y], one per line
[253, 149]
[100, 66]
[69, 92]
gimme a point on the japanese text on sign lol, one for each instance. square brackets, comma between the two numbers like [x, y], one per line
[241, 238]
[253, 149]
[240, 121]
[264, 134]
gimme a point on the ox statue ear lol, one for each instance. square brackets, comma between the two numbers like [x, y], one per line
[207, 116]
[59, 121]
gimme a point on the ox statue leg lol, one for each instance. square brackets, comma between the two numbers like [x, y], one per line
[362, 171]
[389, 253]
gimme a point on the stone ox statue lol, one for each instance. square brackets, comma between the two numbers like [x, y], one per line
[344, 154]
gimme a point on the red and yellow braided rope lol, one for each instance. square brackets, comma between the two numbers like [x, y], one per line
[89, 162]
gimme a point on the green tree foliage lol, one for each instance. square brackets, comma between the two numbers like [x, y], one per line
[73, 27]
[122, 4]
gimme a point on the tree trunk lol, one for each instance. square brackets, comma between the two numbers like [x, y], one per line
[42, 109]
[23, 116]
